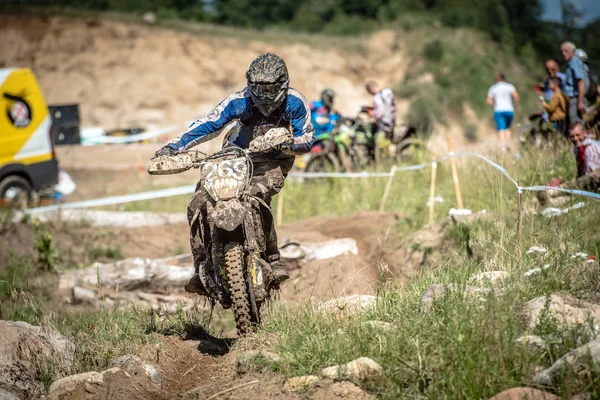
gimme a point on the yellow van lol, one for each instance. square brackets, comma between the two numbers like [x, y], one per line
[27, 161]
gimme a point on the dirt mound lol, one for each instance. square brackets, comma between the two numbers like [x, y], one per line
[80, 244]
[342, 275]
[129, 74]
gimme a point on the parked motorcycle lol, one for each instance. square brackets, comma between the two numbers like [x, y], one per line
[333, 151]
[239, 275]
[351, 146]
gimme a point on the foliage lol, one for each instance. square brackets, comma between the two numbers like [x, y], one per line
[434, 50]
[107, 252]
[47, 254]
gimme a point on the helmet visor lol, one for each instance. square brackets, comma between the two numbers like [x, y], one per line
[265, 91]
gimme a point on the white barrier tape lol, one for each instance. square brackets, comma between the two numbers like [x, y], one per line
[591, 195]
[493, 164]
[180, 190]
[107, 201]
[137, 137]
[365, 174]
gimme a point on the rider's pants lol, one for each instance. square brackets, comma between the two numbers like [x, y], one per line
[267, 181]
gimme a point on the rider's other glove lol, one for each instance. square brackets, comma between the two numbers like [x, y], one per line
[165, 151]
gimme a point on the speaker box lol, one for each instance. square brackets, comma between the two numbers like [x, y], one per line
[65, 124]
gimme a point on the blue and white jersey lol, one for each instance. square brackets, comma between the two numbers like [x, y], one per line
[323, 119]
[293, 113]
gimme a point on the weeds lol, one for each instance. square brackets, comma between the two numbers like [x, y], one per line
[108, 252]
[47, 254]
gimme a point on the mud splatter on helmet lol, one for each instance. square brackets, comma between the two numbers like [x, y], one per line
[268, 81]
[327, 96]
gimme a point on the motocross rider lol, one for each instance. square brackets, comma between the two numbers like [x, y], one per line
[267, 101]
[323, 116]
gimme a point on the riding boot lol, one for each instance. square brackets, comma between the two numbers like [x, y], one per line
[280, 274]
[195, 285]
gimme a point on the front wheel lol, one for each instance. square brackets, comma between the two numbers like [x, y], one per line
[238, 288]
[15, 192]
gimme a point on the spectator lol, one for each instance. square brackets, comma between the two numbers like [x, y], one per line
[587, 156]
[576, 83]
[501, 96]
[557, 108]
[384, 110]
[553, 72]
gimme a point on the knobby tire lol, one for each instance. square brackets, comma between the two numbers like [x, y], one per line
[238, 289]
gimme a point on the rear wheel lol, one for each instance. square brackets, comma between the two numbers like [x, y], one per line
[407, 150]
[238, 288]
[15, 192]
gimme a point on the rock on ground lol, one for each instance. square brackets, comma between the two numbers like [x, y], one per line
[300, 382]
[361, 368]
[114, 383]
[531, 342]
[350, 304]
[524, 393]
[341, 390]
[438, 290]
[26, 351]
[135, 366]
[567, 310]
[577, 361]
[489, 278]
[64, 388]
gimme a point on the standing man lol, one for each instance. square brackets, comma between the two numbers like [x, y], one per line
[384, 111]
[501, 96]
[576, 82]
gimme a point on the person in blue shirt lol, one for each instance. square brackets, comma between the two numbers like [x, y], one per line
[323, 116]
[576, 82]
[267, 101]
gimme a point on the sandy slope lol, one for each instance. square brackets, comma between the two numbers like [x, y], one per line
[129, 74]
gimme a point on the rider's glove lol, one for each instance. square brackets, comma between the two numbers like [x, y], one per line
[285, 147]
[165, 151]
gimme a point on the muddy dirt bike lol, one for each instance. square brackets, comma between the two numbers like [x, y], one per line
[333, 152]
[239, 275]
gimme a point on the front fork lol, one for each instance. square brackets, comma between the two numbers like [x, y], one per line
[232, 220]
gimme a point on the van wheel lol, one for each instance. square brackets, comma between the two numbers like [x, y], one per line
[15, 192]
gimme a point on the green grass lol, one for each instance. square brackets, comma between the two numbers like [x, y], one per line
[464, 349]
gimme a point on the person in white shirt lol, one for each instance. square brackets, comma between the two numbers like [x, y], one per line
[501, 96]
[384, 108]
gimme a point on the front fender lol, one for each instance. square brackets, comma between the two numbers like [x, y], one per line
[228, 214]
